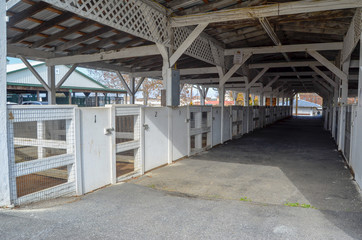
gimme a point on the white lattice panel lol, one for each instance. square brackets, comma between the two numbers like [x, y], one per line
[133, 16]
[353, 35]
[199, 49]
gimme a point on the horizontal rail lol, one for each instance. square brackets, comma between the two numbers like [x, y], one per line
[53, 192]
[31, 142]
[34, 166]
[126, 146]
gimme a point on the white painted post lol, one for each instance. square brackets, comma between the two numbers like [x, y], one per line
[221, 103]
[343, 107]
[248, 111]
[4, 158]
[40, 136]
[198, 137]
[77, 153]
[51, 84]
[334, 109]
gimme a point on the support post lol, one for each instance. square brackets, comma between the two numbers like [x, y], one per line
[132, 88]
[343, 104]
[4, 157]
[221, 104]
[51, 84]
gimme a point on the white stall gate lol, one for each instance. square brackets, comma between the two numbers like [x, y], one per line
[66, 150]
[42, 152]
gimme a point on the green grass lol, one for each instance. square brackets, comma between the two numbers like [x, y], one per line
[245, 199]
[298, 205]
[152, 186]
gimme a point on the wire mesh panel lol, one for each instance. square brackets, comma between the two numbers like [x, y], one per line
[267, 115]
[200, 128]
[128, 139]
[237, 121]
[42, 152]
[256, 118]
[348, 131]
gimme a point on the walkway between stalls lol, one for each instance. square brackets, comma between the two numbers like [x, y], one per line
[294, 161]
[234, 191]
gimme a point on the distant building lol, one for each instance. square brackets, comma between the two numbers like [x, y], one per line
[22, 85]
[306, 108]
[311, 97]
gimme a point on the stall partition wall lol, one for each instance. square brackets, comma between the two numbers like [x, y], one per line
[57, 150]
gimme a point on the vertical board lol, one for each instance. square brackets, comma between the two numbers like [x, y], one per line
[216, 125]
[227, 123]
[156, 137]
[180, 136]
[96, 154]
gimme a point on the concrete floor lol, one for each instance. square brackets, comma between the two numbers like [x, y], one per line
[292, 161]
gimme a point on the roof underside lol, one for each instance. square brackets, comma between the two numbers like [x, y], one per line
[40, 26]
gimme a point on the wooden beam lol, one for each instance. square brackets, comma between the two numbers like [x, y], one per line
[256, 78]
[339, 73]
[326, 86]
[62, 34]
[125, 85]
[34, 54]
[270, 10]
[287, 48]
[102, 42]
[139, 84]
[65, 77]
[324, 76]
[86, 37]
[272, 81]
[284, 64]
[114, 54]
[211, 80]
[28, 12]
[42, 27]
[36, 74]
[234, 68]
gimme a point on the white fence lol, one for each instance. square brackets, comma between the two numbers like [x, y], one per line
[43, 151]
[344, 131]
[65, 150]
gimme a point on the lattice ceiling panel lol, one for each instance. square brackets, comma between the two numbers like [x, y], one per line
[132, 16]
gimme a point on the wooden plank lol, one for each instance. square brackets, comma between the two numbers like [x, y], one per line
[270, 10]
[86, 37]
[339, 73]
[101, 43]
[42, 27]
[109, 55]
[28, 12]
[62, 34]
[287, 48]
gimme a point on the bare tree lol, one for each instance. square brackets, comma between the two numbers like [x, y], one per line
[149, 87]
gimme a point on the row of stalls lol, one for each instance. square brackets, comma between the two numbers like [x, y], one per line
[66, 150]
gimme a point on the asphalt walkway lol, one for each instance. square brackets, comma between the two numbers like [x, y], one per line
[286, 181]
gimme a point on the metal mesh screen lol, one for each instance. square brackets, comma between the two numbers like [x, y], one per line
[200, 128]
[128, 135]
[41, 142]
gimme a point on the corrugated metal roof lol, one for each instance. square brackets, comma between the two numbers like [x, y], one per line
[303, 103]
